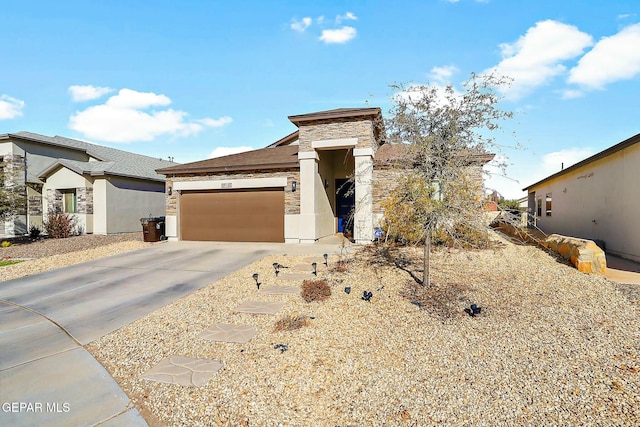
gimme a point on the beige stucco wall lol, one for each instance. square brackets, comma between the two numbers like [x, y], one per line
[128, 200]
[600, 201]
[100, 206]
[65, 179]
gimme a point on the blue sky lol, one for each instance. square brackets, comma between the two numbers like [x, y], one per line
[192, 79]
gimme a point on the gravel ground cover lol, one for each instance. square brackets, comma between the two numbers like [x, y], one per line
[48, 254]
[551, 346]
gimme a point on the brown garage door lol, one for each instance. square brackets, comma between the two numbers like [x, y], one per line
[252, 215]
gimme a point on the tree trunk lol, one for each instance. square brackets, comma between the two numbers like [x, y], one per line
[426, 276]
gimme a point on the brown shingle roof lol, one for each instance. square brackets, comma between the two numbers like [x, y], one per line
[283, 157]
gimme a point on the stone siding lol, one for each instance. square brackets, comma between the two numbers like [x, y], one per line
[84, 196]
[321, 130]
[54, 200]
[385, 178]
[291, 199]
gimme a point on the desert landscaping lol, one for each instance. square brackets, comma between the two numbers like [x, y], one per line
[551, 345]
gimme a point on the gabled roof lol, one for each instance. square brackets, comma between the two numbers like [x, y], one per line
[110, 160]
[282, 157]
[609, 151]
[337, 113]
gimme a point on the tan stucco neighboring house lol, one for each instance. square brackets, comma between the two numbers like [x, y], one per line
[108, 190]
[596, 199]
[296, 190]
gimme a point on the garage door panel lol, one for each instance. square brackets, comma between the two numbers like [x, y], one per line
[255, 215]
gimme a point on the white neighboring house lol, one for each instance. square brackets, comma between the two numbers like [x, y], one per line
[109, 190]
[596, 199]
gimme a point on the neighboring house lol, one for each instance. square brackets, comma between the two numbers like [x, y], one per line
[108, 190]
[596, 199]
[296, 190]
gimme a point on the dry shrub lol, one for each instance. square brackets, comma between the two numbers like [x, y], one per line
[291, 323]
[60, 225]
[315, 290]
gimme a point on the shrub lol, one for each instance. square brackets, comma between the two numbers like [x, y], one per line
[291, 323]
[60, 225]
[34, 232]
[315, 290]
[5, 244]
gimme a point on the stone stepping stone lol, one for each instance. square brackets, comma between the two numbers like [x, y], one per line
[280, 290]
[223, 332]
[185, 371]
[296, 277]
[259, 307]
[307, 268]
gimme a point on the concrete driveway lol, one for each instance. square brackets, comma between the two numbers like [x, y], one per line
[46, 375]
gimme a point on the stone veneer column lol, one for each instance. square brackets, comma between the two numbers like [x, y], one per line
[308, 171]
[363, 217]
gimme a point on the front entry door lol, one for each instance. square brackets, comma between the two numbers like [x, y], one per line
[345, 201]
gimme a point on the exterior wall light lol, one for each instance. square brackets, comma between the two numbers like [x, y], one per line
[294, 184]
[169, 191]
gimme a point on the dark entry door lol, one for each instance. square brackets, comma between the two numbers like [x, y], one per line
[345, 201]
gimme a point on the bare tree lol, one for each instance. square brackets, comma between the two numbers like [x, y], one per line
[448, 135]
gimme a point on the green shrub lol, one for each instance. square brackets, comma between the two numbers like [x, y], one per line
[5, 244]
[34, 232]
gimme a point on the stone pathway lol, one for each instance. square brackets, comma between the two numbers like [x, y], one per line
[223, 332]
[280, 290]
[259, 307]
[187, 371]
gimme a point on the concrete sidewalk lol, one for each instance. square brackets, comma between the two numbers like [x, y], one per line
[48, 378]
[622, 270]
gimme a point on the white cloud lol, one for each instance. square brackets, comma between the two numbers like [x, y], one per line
[349, 16]
[123, 119]
[225, 151]
[572, 94]
[611, 59]
[536, 57]
[302, 24]
[215, 123]
[341, 35]
[10, 108]
[553, 162]
[88, 92]
[443, 74]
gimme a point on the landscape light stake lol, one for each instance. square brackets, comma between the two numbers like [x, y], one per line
[276, 266]
[326, 260]
[255, 277]
[315, 268]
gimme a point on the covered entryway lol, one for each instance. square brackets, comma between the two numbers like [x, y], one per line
[246, 215]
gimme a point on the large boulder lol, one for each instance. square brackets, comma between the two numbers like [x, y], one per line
[584, 254]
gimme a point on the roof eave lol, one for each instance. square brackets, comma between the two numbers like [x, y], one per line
[238, 168]
[301, 118]
[611, 150]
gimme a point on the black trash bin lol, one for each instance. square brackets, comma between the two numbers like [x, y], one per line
[153, 229]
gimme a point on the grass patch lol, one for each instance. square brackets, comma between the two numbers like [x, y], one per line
[9, 262]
